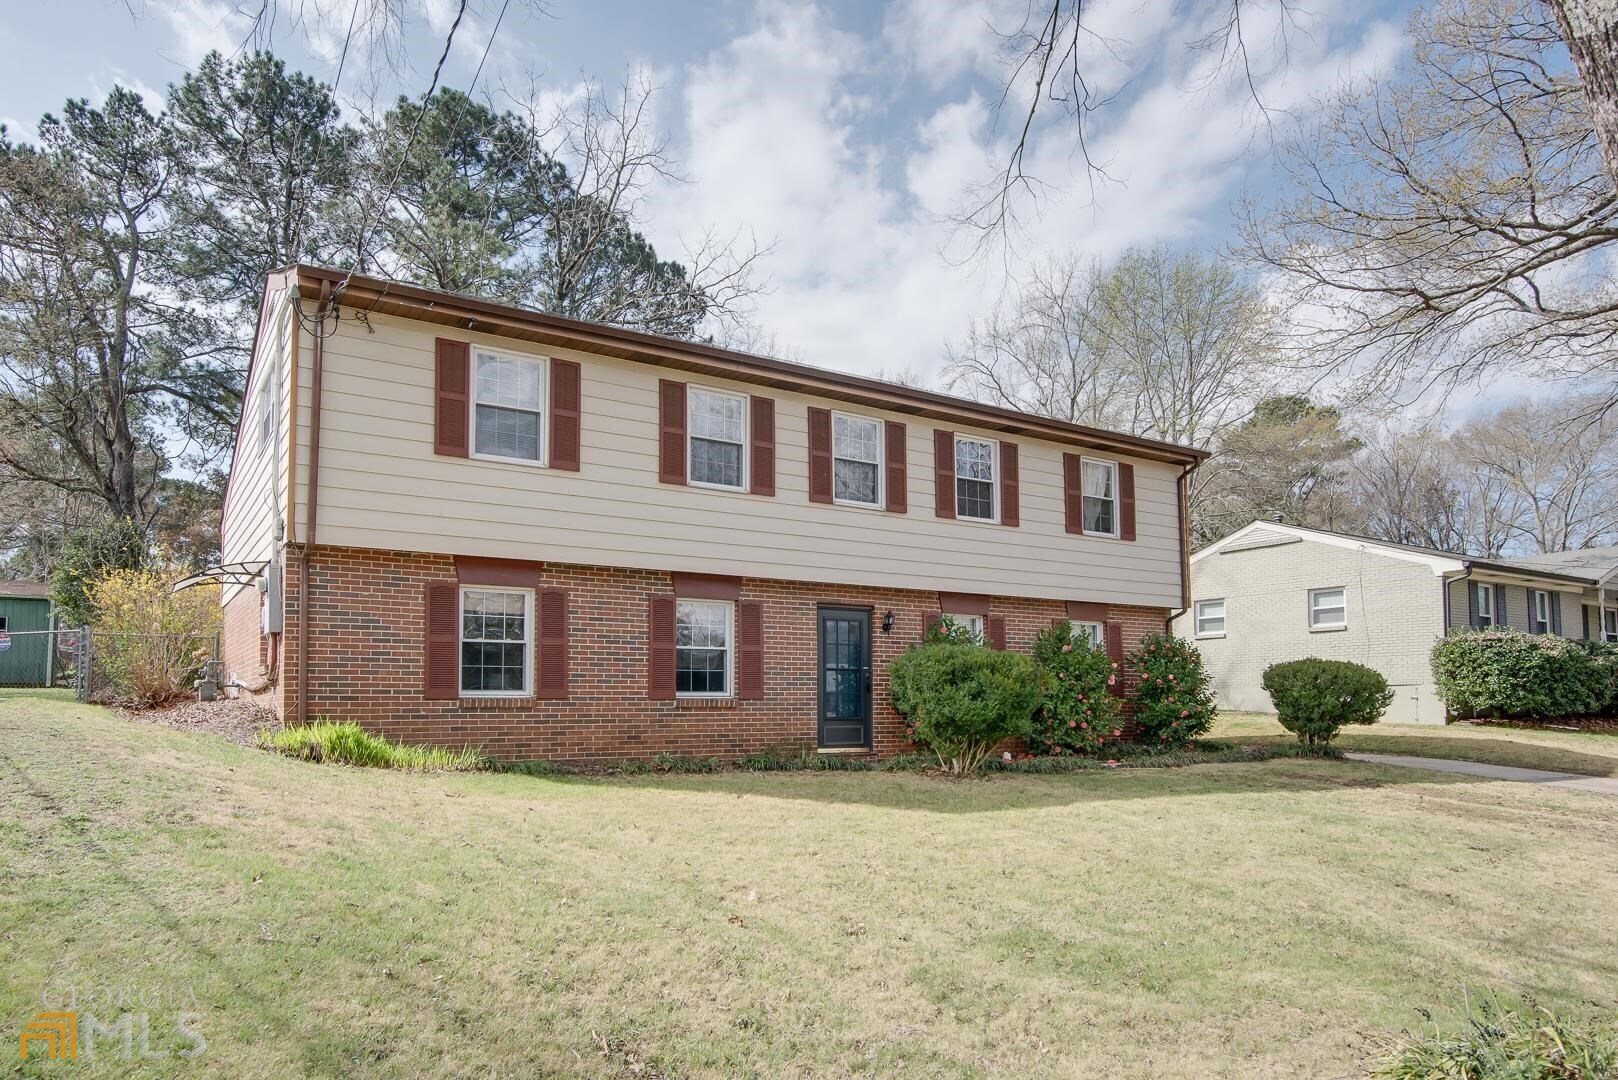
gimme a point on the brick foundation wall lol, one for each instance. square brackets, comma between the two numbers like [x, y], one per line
[249, 655]
[366, 656]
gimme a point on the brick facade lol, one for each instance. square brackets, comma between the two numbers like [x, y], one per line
[366, 658]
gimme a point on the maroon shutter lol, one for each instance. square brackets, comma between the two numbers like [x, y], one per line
[670, 432]
[1126, 501]
[995, 630]
[1072, 493]
[944, 474]
[750, 650]
[442, 669]
[819, 455]
[1009, 494]
[930, 621]
[1115, 653]
[450, 398]
[660, 658]
[565, 392]
[893, 442]
[763, 463]
[552, 679]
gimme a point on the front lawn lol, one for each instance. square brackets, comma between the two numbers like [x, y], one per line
[1585, 752]
[1224, 920]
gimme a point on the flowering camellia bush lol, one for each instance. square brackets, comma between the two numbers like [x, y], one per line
[1174, 700]
[1079, 713]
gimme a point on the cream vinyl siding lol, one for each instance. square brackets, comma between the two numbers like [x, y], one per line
[382, 486]
[258, 480]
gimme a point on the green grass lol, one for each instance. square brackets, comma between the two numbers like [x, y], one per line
[1495, 1041]
[346, 743]
[1247, 919]
[1585, 752]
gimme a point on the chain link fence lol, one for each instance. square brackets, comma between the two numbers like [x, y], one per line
[139, 669]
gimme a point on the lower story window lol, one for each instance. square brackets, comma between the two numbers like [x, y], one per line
[1609, 623]
[973, 623]
[1092, 630]
[702, 635]
[495, 642]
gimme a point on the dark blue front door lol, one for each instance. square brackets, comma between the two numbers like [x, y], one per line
[845, 678]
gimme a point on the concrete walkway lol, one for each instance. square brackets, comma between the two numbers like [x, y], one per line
[1602, 785]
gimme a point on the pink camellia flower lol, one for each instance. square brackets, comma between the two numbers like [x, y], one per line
[1116, 733]
[1067, 648]
[1061, 675]
[1081, 697]
[1115, 665]
[1171, 677]
[1072, 723]
[1084, 725]
[1184, 713]
[1112, 680]
[1112, 763]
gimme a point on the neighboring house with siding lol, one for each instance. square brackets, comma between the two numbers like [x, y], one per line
[459, 522]
[1271, 592]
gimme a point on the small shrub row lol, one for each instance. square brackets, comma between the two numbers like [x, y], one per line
[1501, 674]
[1496, 1042]
[346, 743]
[1145, 757]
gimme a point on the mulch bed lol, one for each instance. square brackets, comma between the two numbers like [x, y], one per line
[237, 720]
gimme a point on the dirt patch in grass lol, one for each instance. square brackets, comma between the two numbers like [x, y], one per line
[234, 719]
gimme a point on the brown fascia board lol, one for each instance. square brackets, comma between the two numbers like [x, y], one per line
[370, 294]
[1506, 569]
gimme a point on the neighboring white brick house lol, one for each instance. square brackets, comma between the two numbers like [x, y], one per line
[1271, 592]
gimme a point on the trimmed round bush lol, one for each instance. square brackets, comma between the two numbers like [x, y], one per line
[1174, 701]
[960, 700]
[1501, 673]
[1314, 698]
[1078, 715]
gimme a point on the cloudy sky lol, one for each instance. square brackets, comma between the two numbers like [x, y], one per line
[843, 133]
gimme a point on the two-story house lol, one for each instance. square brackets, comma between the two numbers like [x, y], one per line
[458, 522]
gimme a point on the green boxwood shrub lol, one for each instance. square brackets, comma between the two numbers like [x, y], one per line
[1314, 698]
[1078, 715]
[1174, 701]
[960, 700]
[1500, 673]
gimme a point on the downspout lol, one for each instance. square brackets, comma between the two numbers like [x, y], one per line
[1183, 510]
[317, 365]
[1449, 622]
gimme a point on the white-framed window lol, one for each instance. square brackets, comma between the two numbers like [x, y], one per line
[717, 436]
[1484, 602]
[266, 413]
[496, 642]
[1210, 618]
[974, 623]
[1609, 624]
[508, 407]
[975, 478]
[1540, 615]
[1328, 608]
[1096, 632]
[5, 623]
[856, 460]
[703, 631]
[1100, 486]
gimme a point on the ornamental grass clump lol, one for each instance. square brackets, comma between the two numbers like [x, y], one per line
[1079, 713]
[1174, 701]
[960, 700]
[346, 743]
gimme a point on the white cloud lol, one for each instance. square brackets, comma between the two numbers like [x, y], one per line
[201, 26]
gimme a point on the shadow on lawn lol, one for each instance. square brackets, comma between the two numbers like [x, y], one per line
[1003, 792]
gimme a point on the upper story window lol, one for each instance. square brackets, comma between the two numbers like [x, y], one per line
[1093, 631]
[718, 431]
[1484, 594]
[702, 649]
[1328, 609]
[856, 447]
[974, 478]
[1540, 615]
[496, 642]
[1210, 617]
[508, 400]
[1100, 497]
[266, 413]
